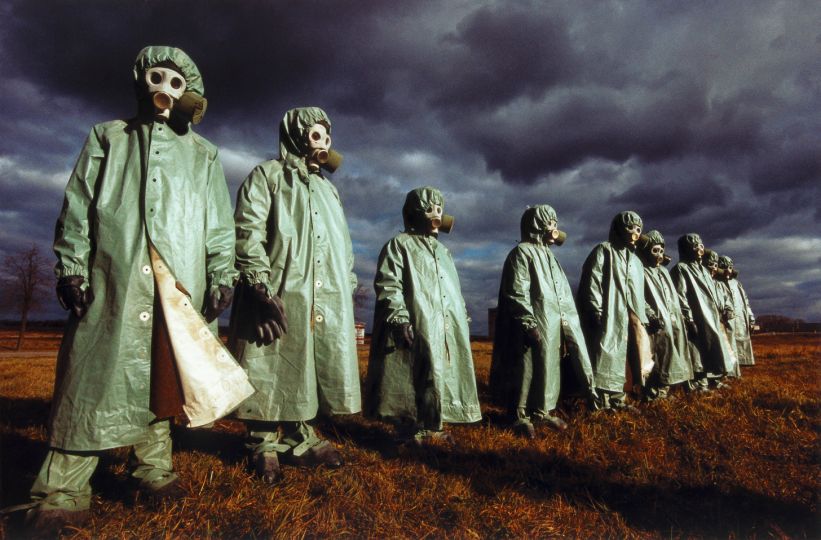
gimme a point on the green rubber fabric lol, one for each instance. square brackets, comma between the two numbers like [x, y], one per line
[611, 286]
[136, 181]
[670, 343]
[63, 480]
[702, 300]
[292, 237]
[534, 293]
[744, 319]
[433, 382]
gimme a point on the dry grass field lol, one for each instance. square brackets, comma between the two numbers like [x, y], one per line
[740, 463]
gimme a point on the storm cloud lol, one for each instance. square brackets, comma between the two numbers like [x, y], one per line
[701, 116]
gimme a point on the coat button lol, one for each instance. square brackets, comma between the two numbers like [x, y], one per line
[318, 283]
[144, 316]
[319, 318]
[146, 269]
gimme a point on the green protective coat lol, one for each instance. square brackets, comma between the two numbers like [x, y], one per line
[670, 344]
[534, 293]
[416, 282]
[611, 285]
[744, 319]
[134, 181]
[702, 301]
[292, 236]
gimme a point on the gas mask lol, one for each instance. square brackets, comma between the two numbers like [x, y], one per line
[319, 150]
[437, 221]
[698, 250]
[727, 268]
[710, 261]
[165, 86]
[657, 255]
[554, 236]
[630, 234]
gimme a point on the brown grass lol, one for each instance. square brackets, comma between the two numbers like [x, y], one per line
[743, 462]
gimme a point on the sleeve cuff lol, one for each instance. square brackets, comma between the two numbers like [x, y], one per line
[225, 279]
[62, 271]
[399, 319]
[255, 277]
[528, 324]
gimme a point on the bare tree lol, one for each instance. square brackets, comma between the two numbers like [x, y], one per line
[26, 277]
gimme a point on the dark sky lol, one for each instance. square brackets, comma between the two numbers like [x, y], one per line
[702, 116]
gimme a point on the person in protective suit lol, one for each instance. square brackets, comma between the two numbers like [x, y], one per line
[669, 335]
[140, 186]
[744, 320]
[420, 372]
[292, 324]
[613, 311]
[710, 262]
[705, 311]
[536, 320]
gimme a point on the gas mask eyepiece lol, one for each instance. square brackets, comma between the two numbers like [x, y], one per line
[165, 86]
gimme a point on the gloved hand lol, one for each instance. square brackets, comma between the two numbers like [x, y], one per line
[403, 335]
[595, 319]
[654, 324]
[71, 295]
[271, 320]
[692, 330]
[532, 337]
[218, 301]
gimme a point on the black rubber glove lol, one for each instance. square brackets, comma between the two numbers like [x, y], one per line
[218, 301]
[271, 320]
[532, 337]
[595, 319]
[403, 335]
[71, 295]
[654, 324]
[692, 330]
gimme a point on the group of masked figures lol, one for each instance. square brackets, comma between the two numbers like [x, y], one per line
[149, 255]
[633, 325]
